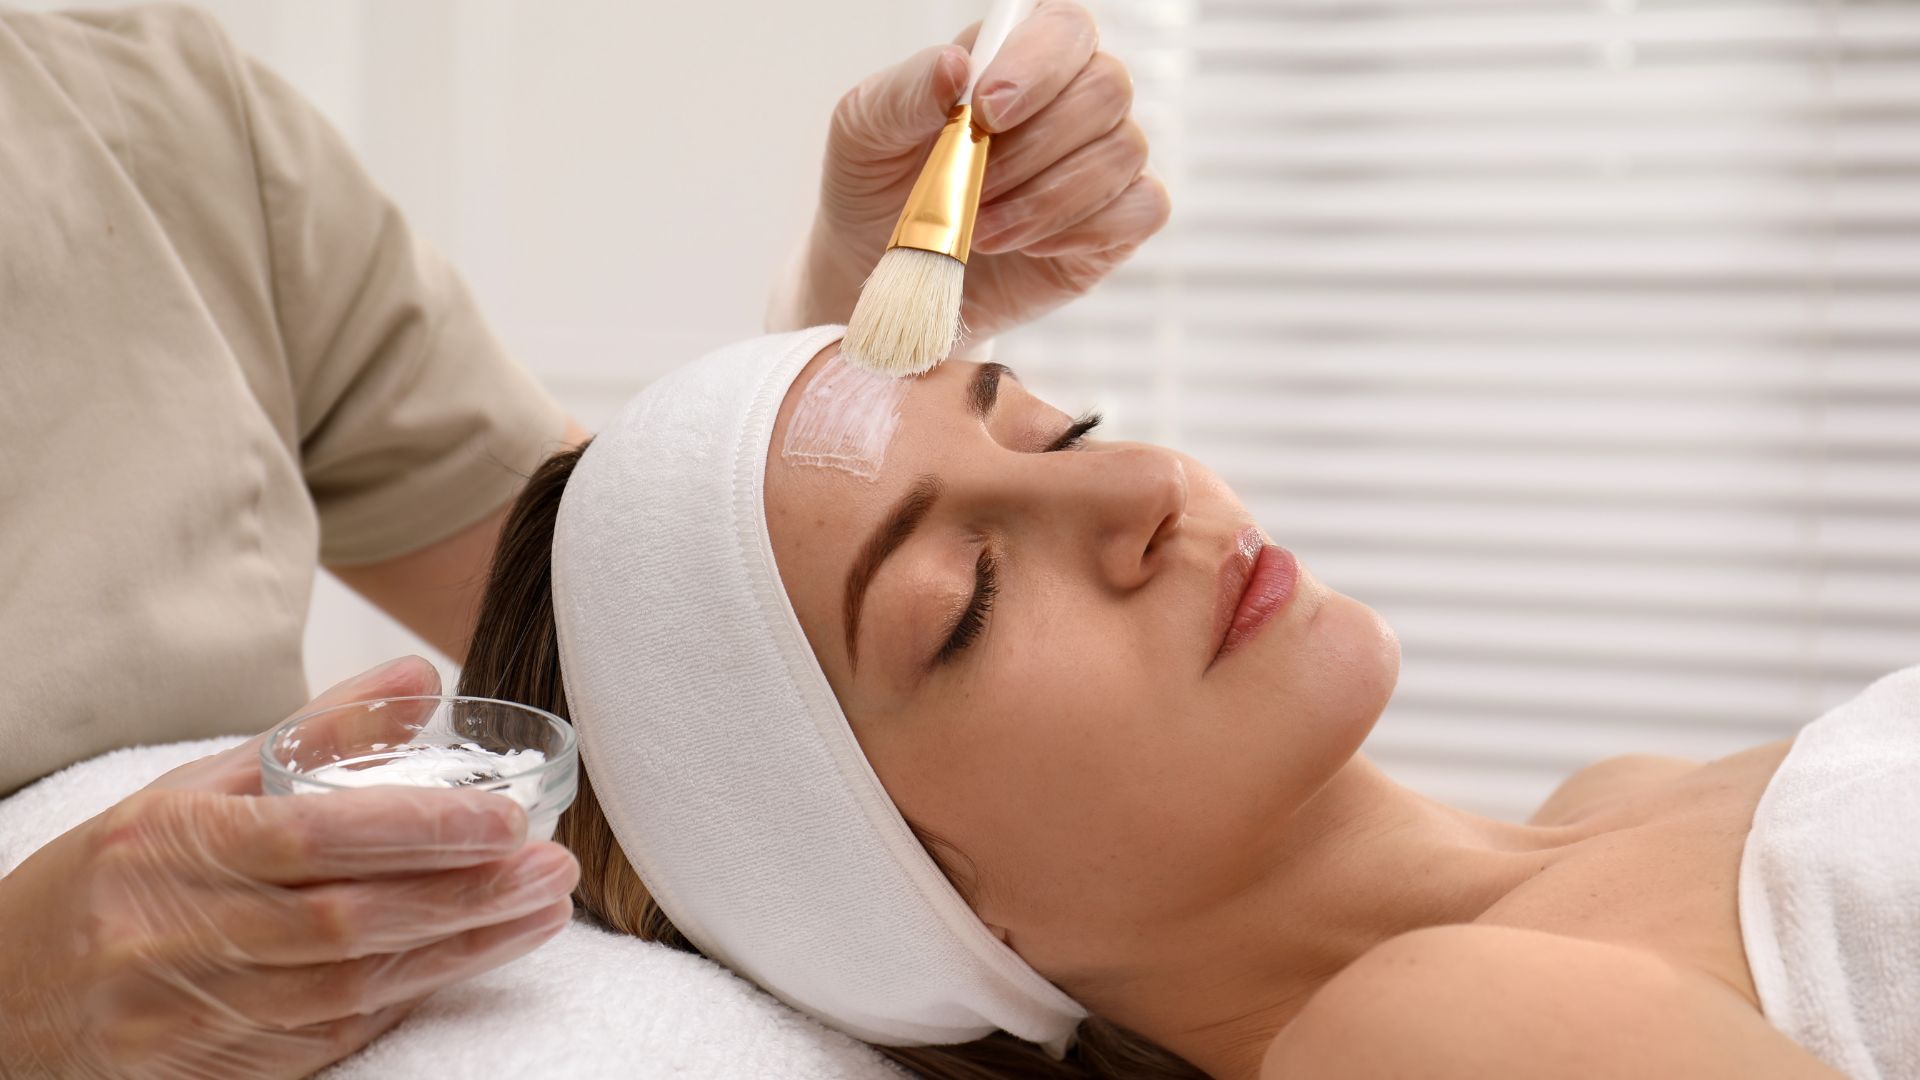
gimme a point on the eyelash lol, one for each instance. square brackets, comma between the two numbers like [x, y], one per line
[1076, 433]
[986, 584]
[986, 570]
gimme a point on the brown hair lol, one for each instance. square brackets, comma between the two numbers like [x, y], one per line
[515, 654]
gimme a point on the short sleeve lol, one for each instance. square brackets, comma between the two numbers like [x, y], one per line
[413, 422]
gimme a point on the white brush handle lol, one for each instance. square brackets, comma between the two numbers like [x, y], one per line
[993, 33]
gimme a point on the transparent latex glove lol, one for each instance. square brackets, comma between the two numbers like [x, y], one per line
[201, 929]
[1066, 196]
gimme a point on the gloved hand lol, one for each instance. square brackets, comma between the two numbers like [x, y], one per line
[1065, 198]
[200, 929]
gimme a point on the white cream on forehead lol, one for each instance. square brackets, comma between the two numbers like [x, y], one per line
[845, 419]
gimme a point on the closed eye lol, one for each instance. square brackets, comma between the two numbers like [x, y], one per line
[967, 628]
[972, 621]
[1075, 434]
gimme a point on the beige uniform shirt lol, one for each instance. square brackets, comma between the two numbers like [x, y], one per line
[223, 359]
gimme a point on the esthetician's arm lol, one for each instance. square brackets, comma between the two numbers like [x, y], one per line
[1067, 197]
[435, 591]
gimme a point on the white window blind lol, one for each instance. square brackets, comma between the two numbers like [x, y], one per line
[1580, 339]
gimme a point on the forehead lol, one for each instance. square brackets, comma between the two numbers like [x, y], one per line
[817, 517]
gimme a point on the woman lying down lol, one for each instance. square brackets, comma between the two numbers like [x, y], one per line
[1021, 753]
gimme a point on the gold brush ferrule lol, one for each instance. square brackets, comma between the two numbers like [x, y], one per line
[940, 211]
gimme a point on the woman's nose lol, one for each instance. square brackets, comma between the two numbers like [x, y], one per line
[1135, 500]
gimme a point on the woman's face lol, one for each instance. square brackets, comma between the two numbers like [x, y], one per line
[1025, 633]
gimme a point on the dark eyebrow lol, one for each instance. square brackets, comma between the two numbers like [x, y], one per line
[894, 530]
[984, 389]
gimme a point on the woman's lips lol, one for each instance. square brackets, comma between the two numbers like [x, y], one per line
[1255, 584]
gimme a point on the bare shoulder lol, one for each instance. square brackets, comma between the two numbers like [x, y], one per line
[1455, 1002]
[1606, 778]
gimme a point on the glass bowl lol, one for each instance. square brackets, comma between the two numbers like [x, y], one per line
[524, 753]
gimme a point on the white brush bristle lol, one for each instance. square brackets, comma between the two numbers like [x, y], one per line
[908, 317]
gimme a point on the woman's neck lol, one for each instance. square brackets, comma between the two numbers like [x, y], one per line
[1364, 861]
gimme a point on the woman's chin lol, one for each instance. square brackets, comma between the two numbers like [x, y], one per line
[1337, 643]
[1324, 689]
[1361, 655]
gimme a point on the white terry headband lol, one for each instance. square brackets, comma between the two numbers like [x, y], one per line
[717, 749]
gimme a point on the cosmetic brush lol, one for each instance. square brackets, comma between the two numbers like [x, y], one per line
[908, 317]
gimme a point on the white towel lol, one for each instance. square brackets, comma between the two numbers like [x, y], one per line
[1830, 886]
[588, 1003]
